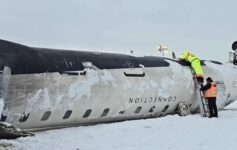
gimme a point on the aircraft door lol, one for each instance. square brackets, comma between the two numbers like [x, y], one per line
[134, 69]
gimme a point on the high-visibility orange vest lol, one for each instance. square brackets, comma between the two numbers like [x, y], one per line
[211, 92]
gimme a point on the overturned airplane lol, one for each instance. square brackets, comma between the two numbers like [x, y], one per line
[48, 88]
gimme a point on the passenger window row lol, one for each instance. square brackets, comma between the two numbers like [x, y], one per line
[87, 113]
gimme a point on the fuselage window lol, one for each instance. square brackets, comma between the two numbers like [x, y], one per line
[138, 109]
[3, 118]
[122, 112]
[87, 113]
[152, 109]
[24, 117]
[67, 114]
[105, 112]
[46, 116]
[165, 108]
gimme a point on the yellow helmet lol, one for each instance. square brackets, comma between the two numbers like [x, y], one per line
[184, 54]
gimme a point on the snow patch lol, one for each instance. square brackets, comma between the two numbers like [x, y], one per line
[89, 65]
[143, 86]
[107, 77]
[181, 73]
[6, 124]
[147, 85]
[193, 132]
[76, 90]
[83, 88]
[166, 86]
[153, 84]
[71, 91]
[57, 102]
[12, 116]
[40, 99]
[127, 84]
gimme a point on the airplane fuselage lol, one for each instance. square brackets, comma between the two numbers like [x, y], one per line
[58, 88]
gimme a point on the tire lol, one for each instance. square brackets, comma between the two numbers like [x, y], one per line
[234, 46]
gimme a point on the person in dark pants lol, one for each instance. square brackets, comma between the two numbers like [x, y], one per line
[209, 92]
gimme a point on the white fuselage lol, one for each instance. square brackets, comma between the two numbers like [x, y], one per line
[52, 100]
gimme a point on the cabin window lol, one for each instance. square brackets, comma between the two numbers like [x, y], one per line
[152, 109]
[24, 117]
[122, 112]
[138, 109]
[165, 108]
[87, 113]
[46, 116]
[67, 114]
[105, 112]
[3, 118]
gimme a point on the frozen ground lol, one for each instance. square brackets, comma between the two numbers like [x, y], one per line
[167, 133]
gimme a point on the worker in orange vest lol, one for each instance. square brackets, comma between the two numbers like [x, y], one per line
[210, 92]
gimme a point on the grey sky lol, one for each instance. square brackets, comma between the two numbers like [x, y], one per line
[207, 28]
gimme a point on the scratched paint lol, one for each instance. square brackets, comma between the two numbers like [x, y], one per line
[166, 86]
[183, 74]
[78, 89]
[107, 78]
[145, 86]
[83, 88]
[40, 100]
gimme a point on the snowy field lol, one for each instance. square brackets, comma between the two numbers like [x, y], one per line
[167, 133]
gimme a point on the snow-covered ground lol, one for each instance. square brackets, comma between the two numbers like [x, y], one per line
[167, 133]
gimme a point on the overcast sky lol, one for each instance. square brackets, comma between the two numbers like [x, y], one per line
[205, 27]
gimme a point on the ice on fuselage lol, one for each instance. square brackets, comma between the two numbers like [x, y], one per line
[1, 106]
[226, 74]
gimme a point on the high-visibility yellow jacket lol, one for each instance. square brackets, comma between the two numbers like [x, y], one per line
[194, 61]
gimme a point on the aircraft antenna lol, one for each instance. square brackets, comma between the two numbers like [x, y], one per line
[163, 49]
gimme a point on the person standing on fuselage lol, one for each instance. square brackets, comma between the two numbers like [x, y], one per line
[195, 64]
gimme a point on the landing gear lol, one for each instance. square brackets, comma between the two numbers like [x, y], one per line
[234, 45]
[235, 61]
[233, 54]
[183, 109]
